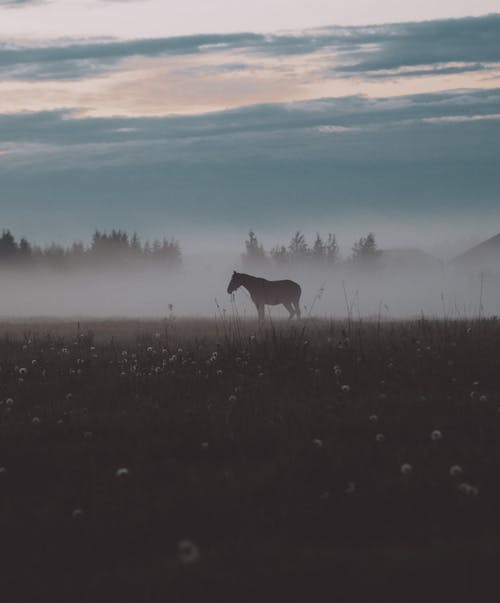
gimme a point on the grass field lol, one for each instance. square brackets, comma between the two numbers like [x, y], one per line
[216, 460]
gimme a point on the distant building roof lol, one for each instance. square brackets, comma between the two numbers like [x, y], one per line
[484, 256]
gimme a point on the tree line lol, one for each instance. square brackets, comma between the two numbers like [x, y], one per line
[116, 248]
[323, 252]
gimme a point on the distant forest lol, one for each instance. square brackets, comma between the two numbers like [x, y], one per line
[323, 252]
[117, 249]
[114, 249]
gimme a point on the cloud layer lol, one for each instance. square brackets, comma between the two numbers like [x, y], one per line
[427, 157]
[195, 74]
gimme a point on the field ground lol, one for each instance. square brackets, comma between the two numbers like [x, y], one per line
[215, 460]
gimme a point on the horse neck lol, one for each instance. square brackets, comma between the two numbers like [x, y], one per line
[249, 282]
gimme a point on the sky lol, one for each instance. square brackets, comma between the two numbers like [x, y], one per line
[201, 120]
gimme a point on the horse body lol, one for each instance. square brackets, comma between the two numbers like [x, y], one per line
[272, 293]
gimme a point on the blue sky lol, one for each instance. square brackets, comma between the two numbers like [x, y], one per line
[213, 132]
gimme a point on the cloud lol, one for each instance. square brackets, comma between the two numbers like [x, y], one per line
[75, 60]
[20, 3]
[471, 42]
[397, 50]
[350, 113]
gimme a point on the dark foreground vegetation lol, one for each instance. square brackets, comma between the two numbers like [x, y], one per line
[216, 461]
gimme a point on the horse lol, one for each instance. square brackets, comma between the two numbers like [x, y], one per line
[272, 293]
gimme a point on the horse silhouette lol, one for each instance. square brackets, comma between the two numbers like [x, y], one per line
[267, 292]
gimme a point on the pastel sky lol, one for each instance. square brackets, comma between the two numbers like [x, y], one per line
[162, 115]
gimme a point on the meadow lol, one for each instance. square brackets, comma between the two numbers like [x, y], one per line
[183, 460]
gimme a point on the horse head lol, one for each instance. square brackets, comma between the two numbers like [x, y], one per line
[234, 283]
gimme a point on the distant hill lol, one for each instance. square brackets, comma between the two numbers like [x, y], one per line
[484, 257]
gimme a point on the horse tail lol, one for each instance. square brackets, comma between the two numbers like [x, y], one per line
[296, 300]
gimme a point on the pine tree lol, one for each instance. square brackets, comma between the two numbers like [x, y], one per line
[25, 251]
[332, 249]
[254, 256]
[280, 255]
[8, 246]
[365, 248]
[319, 250]
[298, 247]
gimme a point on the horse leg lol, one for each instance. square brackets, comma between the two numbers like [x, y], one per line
[260, 310]
[290, 309]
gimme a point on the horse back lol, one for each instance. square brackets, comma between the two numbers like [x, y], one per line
[283, 290]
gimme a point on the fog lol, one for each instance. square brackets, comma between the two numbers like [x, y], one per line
[400, 287]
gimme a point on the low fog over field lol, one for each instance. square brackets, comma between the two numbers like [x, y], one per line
[397, 282]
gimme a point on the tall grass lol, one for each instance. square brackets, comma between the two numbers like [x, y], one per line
[281, 443]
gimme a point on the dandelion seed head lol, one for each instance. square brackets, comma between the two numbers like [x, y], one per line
[406, 468]
[318, 443]
[465, 489]
[122, 472]
[351, 488]
[456, 470]
[373, 418]
[345, 388]
[436, 435]
[380, 438]
[188, 552]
